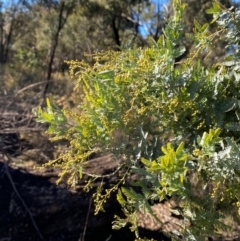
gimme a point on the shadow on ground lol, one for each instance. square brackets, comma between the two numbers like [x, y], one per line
[59, 213]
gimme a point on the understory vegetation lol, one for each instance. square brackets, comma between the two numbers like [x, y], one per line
[172, 127]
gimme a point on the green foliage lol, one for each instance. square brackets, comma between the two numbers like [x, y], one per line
[179, 126]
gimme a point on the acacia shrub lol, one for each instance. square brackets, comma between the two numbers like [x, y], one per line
[177, 121]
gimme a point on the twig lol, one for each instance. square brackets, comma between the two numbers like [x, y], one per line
[86, 222]
[20, 198]
[31, 86]
[21, 129]
[104, 176]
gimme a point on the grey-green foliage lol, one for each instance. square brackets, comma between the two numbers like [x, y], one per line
[196, 11]
[214, 160]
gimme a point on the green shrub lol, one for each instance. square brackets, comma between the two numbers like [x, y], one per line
[178, 123]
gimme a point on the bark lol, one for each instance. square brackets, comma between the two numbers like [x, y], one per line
[115, 28]
[5, 42]
[8, 41]
[159, 24]
[1, 37]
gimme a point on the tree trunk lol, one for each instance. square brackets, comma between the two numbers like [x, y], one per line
[116, 31]
[53, 47]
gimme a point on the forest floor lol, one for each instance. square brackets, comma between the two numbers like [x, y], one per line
[33, 207]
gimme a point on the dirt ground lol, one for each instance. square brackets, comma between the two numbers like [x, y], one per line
[33, 207]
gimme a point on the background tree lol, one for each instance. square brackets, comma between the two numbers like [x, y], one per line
[64, 9]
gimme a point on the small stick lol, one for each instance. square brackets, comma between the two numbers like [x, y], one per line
[20, 198]
[86, 222]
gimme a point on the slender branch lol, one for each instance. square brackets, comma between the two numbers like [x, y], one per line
[104, 176]
[86, 222]
[20, 198]
[31, 86]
